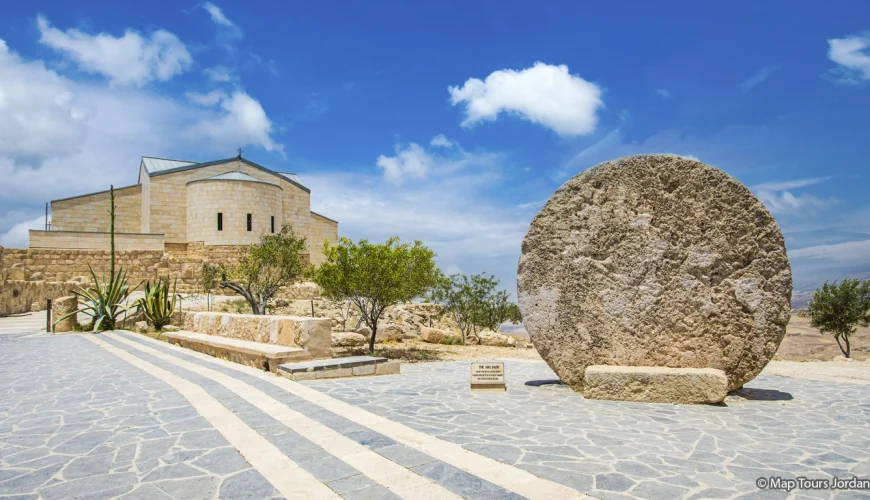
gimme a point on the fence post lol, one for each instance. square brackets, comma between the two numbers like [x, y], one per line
[48, 328]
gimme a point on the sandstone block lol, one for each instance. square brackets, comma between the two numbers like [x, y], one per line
[388, 333]
[61, 307]
[655, 384]
[491, 338]
[438, 336]
[654, 260]
[363, 370]
[388, 368]
[347, 339]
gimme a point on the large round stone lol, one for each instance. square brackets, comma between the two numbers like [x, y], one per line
[654, 260]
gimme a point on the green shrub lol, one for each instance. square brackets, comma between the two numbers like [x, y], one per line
[102, 302]
[158, 304]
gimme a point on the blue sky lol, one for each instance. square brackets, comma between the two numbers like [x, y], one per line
[449, 122]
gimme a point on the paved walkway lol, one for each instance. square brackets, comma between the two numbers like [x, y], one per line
[122, 415]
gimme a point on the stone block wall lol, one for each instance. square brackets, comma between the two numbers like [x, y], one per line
[207, 198]
[312, 334]
[94, 240]
[17, 297]
[28, 276]
[322, 228]
[168, 198]
[90, 212]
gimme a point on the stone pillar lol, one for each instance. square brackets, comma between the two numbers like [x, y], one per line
[60, 307]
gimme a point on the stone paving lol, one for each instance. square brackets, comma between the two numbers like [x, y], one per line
[775, 426]
[78, 421]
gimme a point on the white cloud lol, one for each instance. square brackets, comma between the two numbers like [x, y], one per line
[229, 33]
[217, 15]
[41, 116]
[544, 94]
[412, 161]
[779, 199]
[851, 252]
[242, 121]
[220, 74]
[441, 140]
[208, 99]
[663, 93]
[18, 235]
[61, 137]
[451, 214]
[759, 77]
[852, 53]
[785, 185]
[127, 60]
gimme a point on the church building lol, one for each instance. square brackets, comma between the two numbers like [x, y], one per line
[176, 203]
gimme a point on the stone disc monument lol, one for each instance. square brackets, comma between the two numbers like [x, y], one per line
[654, 261]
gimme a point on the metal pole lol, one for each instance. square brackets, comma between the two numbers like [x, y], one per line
[48, 315]
[46, 216]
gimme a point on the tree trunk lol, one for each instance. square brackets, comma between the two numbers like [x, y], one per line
[848, 350]
[372, 338]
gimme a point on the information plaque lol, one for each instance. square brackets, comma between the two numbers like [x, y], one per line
[487, 376]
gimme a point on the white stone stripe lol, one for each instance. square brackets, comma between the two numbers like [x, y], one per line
[383, 471]
[507, 476]
[285, 475]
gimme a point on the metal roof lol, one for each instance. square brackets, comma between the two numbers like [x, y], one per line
[292, 177]
[153, 165]
[166, 166]
[234, 176]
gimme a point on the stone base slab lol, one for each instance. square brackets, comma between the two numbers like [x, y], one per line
[354, 366]
[655, 384]
[258, 355]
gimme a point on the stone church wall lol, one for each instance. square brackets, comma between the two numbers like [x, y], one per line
[208, 197]
[321, 229]
[94, 241]
[89, 212]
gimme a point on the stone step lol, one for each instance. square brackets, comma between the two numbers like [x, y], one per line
[255, 354]
[351, 366]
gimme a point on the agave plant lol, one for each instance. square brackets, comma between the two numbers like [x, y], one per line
[158, 304]
[104, 301]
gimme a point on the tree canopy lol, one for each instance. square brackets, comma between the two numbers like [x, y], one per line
[474, 302]
[839, 308]
[376, 276]
[276, 261]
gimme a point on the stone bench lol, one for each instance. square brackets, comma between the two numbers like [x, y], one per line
[312, 334]
[655, 384]
[352, 366]
[254, 354]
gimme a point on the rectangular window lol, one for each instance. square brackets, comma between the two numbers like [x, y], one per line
[250, 222]
[273, 223]
[220, 221]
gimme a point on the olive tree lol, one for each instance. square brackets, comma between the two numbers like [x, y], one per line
[839, 308]
[276, 261]
[474, 302]
[375, 276]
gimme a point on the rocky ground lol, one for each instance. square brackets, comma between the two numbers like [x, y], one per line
[802, 342]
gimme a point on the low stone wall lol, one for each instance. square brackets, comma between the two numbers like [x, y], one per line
[181, 262]
[94, 241]
[18, 297]
[312, 334]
